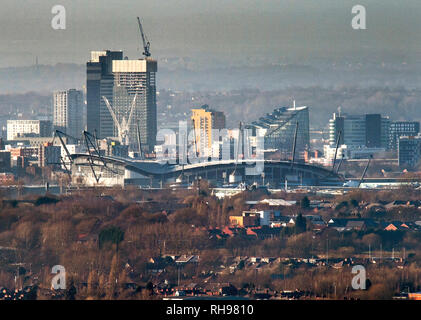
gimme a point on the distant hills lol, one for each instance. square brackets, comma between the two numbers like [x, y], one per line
[41, 78]
[217, 77]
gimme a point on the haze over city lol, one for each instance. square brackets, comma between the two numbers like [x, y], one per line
[224, 31]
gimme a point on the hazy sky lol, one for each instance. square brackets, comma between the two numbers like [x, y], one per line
[265, 29]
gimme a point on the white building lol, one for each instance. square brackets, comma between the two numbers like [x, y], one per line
[72, 148]
[348, 152]
[264, 217]
[69, 111]
[18, 129]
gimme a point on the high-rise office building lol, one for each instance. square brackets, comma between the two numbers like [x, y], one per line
[99, 83]
[204, 120]
[68, 112]
[280, 126]
[402, 128]
[136, 78]
[118, 80]
[369, 130]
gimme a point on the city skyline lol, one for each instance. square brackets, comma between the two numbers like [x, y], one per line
[275, 154]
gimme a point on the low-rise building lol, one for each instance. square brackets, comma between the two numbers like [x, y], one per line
[49, 155]
[17, 129]
[349, 152]
[402, 128]
[5, 161]
[409, 150]
[7, 177]
[247, 219]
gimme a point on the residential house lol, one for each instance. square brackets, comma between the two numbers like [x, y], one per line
[395, 225]
[264, 232]
[247, 219]
[220, 289]
[184, 259]
[402, 204]
[375, 207]
[351, 224]
[277, 202]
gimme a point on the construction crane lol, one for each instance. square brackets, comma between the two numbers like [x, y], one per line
[146, 44]
[123, 127]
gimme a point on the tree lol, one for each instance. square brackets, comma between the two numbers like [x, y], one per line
[343, 204]
[149, 287]
[112, 278]
[300, 224]
[92, 280]
[305, 203]
[112, 234]
[45, 200]
[353, 203]
[71, 292]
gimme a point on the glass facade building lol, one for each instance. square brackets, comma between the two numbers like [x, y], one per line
[280, 127]
[136, 78]
[369, 130]
[99, 82]
[120, 80]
